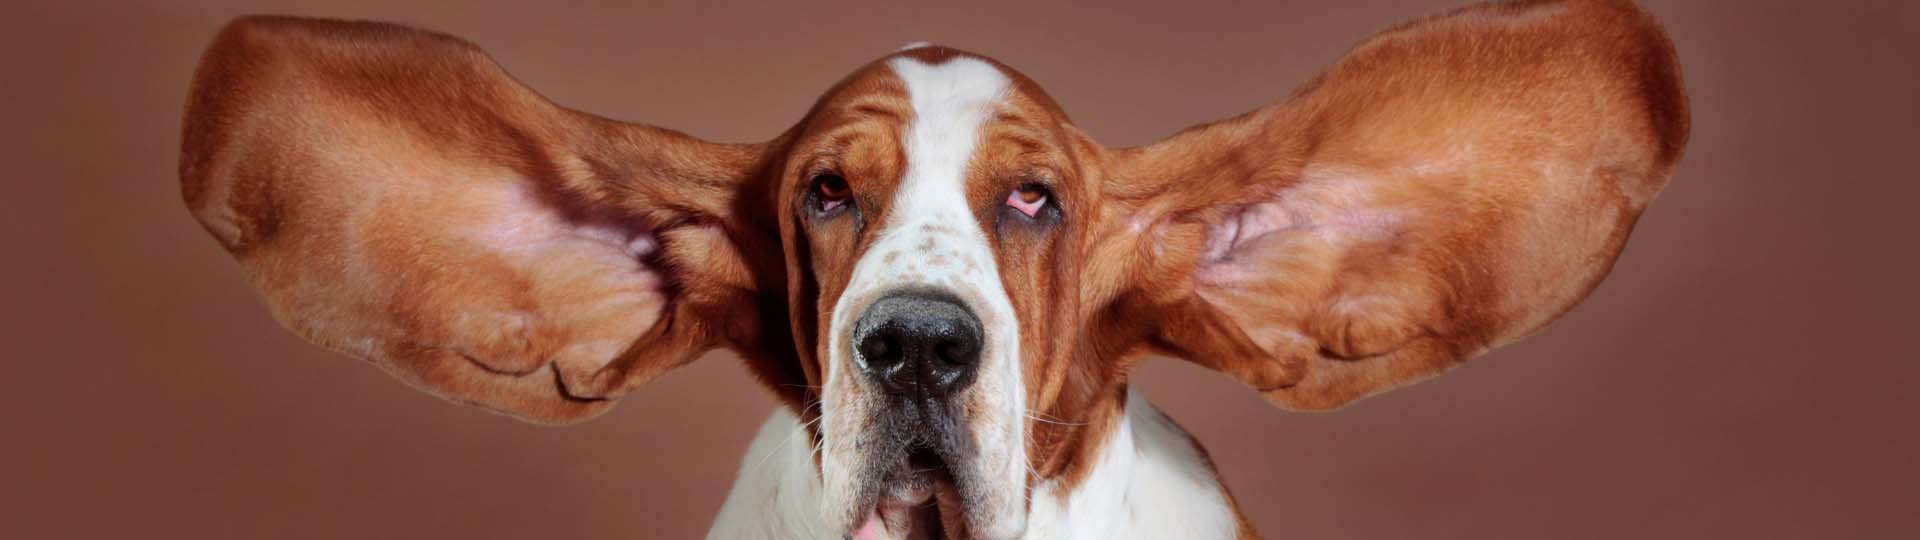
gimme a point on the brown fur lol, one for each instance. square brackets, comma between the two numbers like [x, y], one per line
[1451, 185]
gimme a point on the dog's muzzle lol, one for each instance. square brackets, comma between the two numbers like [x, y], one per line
[921, 351]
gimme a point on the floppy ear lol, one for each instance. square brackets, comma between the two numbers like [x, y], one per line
[1452, 185]
[394, 195]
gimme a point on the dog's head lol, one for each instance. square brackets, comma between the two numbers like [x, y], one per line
[934, 268]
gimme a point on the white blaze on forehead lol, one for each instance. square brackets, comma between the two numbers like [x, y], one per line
[931, 241]
[950, 102]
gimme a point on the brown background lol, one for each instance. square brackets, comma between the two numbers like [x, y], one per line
[1746, 371]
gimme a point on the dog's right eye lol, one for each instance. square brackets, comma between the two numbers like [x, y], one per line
[831, 191]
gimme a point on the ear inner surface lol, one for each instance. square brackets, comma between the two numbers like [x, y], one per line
[1452, 185]
[396, 196]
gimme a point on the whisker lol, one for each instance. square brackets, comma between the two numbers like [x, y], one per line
[783, 442]
[1046, 420]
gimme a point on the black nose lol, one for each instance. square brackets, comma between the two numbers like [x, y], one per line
[918, 345]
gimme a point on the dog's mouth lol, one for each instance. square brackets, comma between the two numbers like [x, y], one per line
[915, 480]
[914, 493]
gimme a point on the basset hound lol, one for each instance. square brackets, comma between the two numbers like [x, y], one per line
[943, 280]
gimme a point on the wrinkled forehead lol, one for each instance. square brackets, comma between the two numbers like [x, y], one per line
[890, 94]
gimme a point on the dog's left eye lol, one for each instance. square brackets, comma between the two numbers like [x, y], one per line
[1028, 199]
[831, 190]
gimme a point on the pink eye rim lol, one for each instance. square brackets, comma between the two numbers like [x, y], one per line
[1028, 199]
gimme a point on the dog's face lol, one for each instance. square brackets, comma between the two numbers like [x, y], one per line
[938, 201]
[927, 210]
[944, 278]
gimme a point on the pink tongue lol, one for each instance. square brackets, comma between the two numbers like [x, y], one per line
[873, 529]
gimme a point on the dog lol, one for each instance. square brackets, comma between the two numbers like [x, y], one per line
[943, 280]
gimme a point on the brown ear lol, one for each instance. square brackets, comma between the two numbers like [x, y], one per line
[396, 196]
[1450, 186]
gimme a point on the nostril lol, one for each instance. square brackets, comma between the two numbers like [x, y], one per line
[955, 352]
[879, 349]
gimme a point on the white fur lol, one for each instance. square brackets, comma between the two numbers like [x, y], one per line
[1149, 482]
[777, 494]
